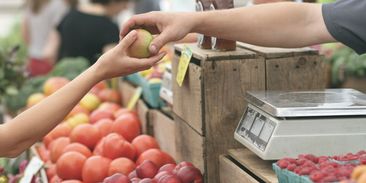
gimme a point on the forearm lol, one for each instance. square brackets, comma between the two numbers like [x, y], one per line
[272, 25]
[34, 123]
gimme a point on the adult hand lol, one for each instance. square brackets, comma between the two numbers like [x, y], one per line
[167, 26]
[116, 61]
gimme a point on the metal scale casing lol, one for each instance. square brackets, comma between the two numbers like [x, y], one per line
[278, 124]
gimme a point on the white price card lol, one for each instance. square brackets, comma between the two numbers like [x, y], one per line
[32, 168]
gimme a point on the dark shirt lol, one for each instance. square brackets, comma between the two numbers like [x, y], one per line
[86, 35]
[346, 22]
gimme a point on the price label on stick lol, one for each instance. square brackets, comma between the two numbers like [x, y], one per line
[184, 60]
[132, 103]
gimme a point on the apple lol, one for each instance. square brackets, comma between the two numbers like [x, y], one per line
[77, 120]
[181, 165]
[147, 170]
[170, 179]
[168, 167]
[117, 178]
[133, 175]
[148, 180]
[189, 174]
[162, 174]
[34, 99]
[90, 102]
[140, 48]
[135, 180]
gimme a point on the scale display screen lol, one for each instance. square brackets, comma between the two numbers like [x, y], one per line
[256, 128]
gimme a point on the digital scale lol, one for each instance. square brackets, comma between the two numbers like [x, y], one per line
[166, 87]
[278, 124]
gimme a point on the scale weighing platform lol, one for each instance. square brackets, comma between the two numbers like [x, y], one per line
[278, 124]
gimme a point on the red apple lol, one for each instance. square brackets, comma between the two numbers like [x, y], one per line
[117, 178]
[170, 179]
[189, 174]
[147, 170]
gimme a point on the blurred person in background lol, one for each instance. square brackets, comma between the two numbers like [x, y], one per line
[88, 31]
[40, 18]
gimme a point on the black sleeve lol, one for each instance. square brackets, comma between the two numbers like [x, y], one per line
[111, 34]
[346, 22]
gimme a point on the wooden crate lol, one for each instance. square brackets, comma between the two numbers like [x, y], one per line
[243, 166]
[143, 112]
[291, 69]
[126, 91]
[211, 100]
[164, 131]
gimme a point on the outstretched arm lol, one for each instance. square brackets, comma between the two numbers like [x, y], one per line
[273, 25]
[31, 125]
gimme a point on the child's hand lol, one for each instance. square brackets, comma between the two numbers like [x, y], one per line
[116, 62]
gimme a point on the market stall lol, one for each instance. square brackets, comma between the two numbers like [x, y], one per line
[210, 110]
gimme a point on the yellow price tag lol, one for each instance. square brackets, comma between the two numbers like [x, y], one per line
[184, 60]
[131, 104]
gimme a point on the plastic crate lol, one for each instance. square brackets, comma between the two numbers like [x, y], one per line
[134, 79]
[285, 176]
[151, 93]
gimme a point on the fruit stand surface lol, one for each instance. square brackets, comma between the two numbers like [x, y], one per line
[259, 167]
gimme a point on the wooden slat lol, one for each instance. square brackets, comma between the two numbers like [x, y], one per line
[231, 173]
[295, 73]
[269, 52]
[143, 114]
[126, 91]
[188, 98]
[164, 132]
[203, 55]
[259, 167]
[190, 146]
[224, 99]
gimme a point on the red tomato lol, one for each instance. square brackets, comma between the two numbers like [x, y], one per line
[86, 134]
[98, 150]
[143, 143]
[127, 125]
[121, 165]
[77, 147]
[100, 114]
[109, 106]
[119, 112]
[50, 171]
[71, 181]
[158, 157]
[55, 179]
[104, 126]
[44, 154]
[57, 148]
[70, 165]
[115, 146]
[95, 169]
[109, 95]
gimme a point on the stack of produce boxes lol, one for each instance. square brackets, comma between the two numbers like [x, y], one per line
[100, 141]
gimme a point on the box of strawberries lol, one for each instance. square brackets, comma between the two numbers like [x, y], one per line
[308, 168]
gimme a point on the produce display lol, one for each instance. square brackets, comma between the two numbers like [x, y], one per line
[99, 141]
[67, 69]
[310, 168]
